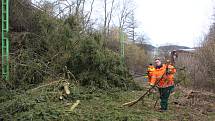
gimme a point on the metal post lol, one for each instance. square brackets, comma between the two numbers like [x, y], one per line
[5, 39]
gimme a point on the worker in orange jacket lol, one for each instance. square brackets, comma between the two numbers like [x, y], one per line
[150, 69]
[164, 73]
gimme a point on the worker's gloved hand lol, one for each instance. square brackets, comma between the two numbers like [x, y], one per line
[153, 90]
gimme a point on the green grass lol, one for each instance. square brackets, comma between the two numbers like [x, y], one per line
[94, 105]
[107, 107]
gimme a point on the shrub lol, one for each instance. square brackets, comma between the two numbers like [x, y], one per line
[95, 65]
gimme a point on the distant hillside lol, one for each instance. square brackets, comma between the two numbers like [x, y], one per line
[150, 47]
[172, 47]
[147, 47]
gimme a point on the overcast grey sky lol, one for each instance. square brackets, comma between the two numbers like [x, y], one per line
[181, 22]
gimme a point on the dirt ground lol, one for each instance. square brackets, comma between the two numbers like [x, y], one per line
[200, 104]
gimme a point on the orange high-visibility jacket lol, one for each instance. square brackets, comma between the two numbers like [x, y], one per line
[167, 80]
[149, 73]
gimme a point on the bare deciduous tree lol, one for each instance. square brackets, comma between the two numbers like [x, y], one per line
[107, 17]
[110, 16]
[142, 39]
[125, 9]
[89, 13]
[131, 26]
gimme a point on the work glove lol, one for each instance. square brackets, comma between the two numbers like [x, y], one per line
[153, 90]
